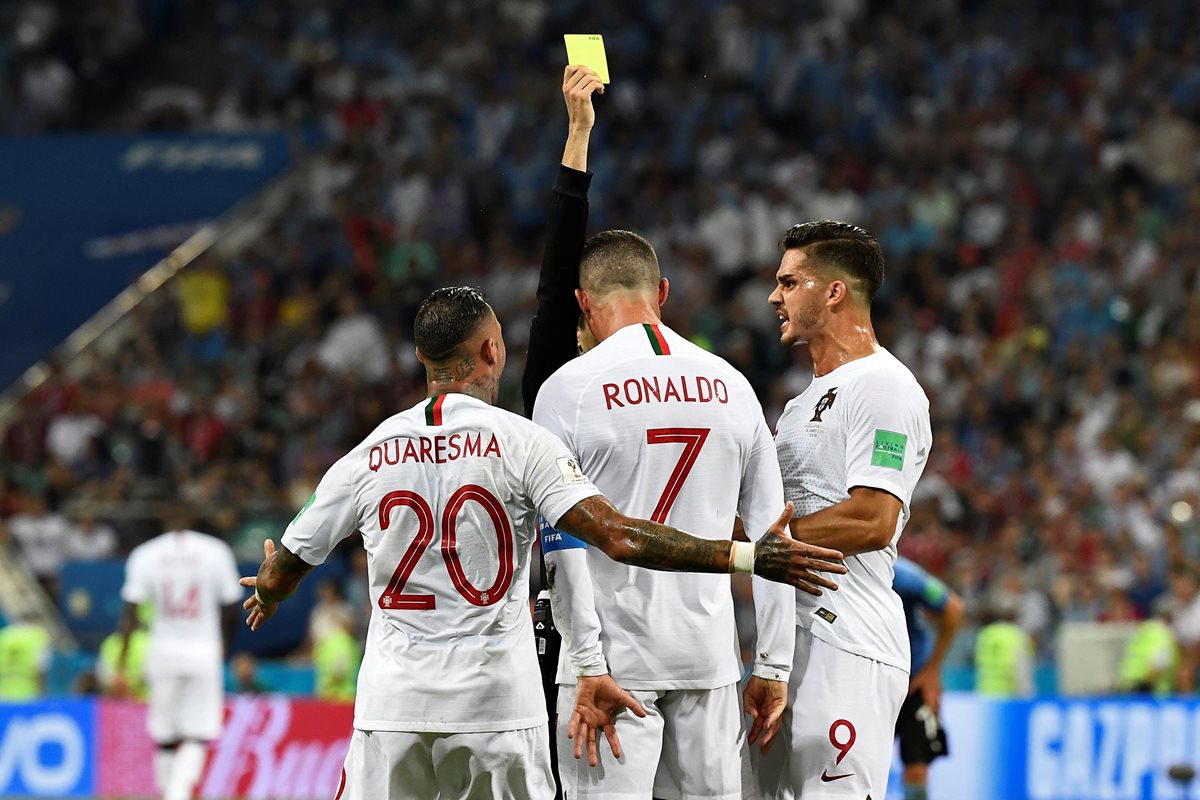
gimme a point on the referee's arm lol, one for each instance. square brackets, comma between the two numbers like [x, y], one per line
[552, 332]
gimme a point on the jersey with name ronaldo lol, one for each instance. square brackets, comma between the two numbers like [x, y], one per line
[672, 433]
[446, 497]
[187, 577]
[866, 423]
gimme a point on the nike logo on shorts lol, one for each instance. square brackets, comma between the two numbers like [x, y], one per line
[826, 777]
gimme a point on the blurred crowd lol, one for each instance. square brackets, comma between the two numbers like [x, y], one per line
[1029, 168]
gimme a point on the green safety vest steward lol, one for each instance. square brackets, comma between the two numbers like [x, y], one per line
[24, 651]
[135, 661]
[998, 653]
[1152, 649]
[335, 659]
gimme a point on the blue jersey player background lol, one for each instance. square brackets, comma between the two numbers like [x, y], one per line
[922, 737]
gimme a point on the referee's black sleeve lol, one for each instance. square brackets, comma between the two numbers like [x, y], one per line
[552, 332]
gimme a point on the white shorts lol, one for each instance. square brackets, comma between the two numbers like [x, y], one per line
[691, 745]
[185, 706]
[837, 735]
[399, 765]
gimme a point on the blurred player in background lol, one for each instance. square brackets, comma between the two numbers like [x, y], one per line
[191, 580]
[676, 433]
[448, 703]
[919, 728]
[851, 447]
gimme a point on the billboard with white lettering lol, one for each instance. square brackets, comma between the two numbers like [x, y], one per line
[1114, 748]
[82, 216]
[274, 747]
[47, 749]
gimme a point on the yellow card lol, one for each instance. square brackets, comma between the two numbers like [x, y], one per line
[587, 49]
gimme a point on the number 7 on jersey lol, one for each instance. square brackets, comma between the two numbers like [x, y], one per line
[692, 440]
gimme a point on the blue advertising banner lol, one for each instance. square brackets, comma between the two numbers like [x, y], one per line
[1113, 748]
[82, 216]
[48, 749]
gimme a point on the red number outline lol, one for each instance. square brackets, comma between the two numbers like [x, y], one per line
[393, 597]
[842, 747]
[504, 540]
[692, 440]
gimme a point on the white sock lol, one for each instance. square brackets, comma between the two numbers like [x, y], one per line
[163, 758]
[185, 771]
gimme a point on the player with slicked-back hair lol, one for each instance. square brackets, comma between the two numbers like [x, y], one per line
[447, 318]
[446, 496]
[851, 447]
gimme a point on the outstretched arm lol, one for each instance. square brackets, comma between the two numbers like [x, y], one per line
[277, 579]
[552, 332]
[643, 543]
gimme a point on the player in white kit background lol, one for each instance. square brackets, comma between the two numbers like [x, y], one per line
[851, 448]
[672, 432]
[191, 581]
[446, 497]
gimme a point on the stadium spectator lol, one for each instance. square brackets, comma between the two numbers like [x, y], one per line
[41, 534]
[89, 539]
[244, 676]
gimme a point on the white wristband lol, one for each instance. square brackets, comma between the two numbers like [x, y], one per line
[741, 557]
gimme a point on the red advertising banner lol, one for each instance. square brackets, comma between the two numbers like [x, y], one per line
[272, 748]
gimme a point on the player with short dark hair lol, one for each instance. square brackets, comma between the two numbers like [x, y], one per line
[446, 496]
[617, 260]
[673, 432]
[919, 728]
[852, 447]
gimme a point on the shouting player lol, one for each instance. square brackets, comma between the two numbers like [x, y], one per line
[919, 728]
[851, 447]
[191, 580]
[675, 433]
[446, 495]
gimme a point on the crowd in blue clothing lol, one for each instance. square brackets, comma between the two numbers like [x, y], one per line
[1029, 168]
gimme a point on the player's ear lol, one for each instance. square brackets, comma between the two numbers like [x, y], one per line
[838, 292]
[420, 355]
[585, 303]
[489, 351]
[664, 288]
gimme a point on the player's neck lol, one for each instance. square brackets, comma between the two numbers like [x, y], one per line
[480, 391]
[844, 340]
[619, 314]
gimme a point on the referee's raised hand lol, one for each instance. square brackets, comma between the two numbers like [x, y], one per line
[578, 85]
[780, 557]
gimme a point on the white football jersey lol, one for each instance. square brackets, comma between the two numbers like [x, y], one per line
[866, 423]
[188, 577]
[673, 433]
[446, 496]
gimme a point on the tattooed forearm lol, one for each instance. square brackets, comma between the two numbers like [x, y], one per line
[642, 543]
[279, 576]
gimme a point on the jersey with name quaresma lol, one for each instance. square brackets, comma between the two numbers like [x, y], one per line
[866, 423]
[672, 433]
[188, 577]
[446, 496]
